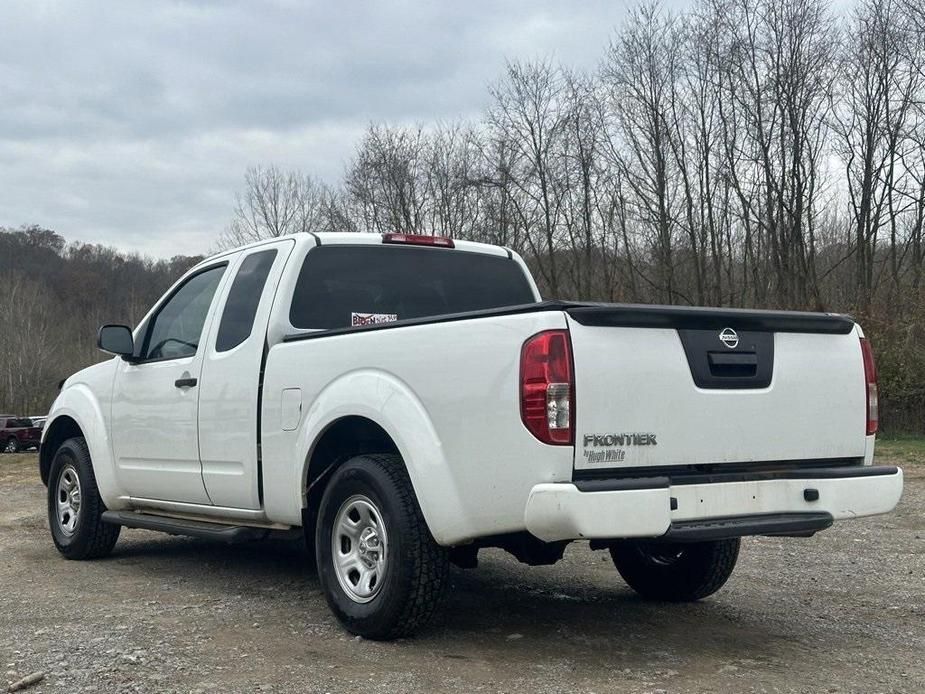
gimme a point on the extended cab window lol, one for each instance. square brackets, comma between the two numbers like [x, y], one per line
[243, 299]
[175, 330]
[337, 283]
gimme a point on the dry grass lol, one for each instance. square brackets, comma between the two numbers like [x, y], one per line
[19, 467]
[901, 450]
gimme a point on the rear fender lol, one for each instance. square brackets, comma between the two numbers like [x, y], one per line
[386, 400]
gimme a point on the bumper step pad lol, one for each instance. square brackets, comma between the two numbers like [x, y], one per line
[780, 524]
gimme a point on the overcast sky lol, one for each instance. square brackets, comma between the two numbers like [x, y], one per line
[132, 124]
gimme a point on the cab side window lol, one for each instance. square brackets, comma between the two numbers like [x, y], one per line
[175, 330]
[243, 300]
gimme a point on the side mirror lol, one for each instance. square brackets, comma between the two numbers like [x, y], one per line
[116, 339]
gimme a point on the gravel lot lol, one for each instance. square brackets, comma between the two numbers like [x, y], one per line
[841, 612]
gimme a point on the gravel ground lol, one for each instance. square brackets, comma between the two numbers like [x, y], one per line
[841, 612]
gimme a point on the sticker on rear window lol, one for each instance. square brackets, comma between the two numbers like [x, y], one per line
[357, 319]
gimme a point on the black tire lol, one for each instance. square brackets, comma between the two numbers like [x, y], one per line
[675, 572]
[11, 445]
[90, 538]
[416, 568]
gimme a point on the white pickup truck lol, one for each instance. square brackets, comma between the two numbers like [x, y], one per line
[408, 400]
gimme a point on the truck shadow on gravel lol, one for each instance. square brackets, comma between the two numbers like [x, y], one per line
[559, 609]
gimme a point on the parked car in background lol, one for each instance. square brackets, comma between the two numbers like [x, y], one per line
[18, 434]
[38, 421]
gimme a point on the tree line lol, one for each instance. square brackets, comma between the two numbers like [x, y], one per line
[757, 153]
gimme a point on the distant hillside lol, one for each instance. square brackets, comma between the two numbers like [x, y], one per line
[54, 296]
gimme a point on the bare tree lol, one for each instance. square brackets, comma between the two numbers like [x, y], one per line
[641, 70]
[528, 115]
[452, 177]
[587, 212]
[274, 203]
[878, 86]
[385, 184]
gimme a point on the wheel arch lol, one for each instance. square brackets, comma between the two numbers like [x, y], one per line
[341, 440]
[61, 429]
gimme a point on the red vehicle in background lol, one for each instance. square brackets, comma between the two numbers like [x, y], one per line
[18, 434]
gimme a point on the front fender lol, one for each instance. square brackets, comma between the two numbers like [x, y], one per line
[78, 402]
[388, 401]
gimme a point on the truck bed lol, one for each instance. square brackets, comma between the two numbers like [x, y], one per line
[639, 409]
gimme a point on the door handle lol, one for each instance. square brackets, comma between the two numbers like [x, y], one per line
[185, 383]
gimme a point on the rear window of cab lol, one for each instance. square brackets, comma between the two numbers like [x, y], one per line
[340, 286]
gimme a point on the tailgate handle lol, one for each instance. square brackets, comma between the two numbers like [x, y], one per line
[733, 364]
[733, 359]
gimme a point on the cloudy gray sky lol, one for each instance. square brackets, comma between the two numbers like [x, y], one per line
[132, 124]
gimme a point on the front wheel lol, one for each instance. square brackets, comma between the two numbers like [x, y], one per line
[75, 508]
[12, 445]
[675, 571]
[382, 572]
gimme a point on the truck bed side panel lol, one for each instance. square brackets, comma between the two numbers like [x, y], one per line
[448, 395]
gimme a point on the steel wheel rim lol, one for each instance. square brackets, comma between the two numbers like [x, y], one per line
[68, 500]
[359, 548]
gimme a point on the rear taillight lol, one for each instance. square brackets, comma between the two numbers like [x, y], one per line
[419, 240]
[870, 386]
[547, 388]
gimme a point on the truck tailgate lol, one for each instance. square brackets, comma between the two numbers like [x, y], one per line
[665, 386]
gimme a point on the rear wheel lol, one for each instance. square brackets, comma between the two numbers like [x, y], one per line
[75, 508]
[382, 572]
[12, 445]
[675, 571]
